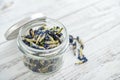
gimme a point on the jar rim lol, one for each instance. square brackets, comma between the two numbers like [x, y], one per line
[45, 50]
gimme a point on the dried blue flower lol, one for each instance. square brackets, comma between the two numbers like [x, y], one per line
[80, 41]
[44, 37]
[74, 45]
[84, 59]
[70, 39]
[41, 28]
[29, 37]
[47, 38]
[59, 31]
[35, 69]
[47, 31]
[75, 42]
[81, 57]
[57, 27]
[46, 46]
[59, 35]
[26, 42]
[31, 32]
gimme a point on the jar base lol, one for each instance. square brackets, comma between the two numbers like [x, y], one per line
[44, 72]
[43, 66]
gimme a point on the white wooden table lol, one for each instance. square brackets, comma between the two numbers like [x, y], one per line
[97, 22]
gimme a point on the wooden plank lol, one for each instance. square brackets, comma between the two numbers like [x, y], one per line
[97, 35]
[53, 9]
[98, 58]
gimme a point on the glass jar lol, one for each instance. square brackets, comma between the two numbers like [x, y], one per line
[42, 61]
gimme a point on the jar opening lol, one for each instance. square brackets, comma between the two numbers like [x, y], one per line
[34, 23]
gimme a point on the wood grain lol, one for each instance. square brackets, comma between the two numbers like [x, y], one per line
[53, 9]
[97, 23]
